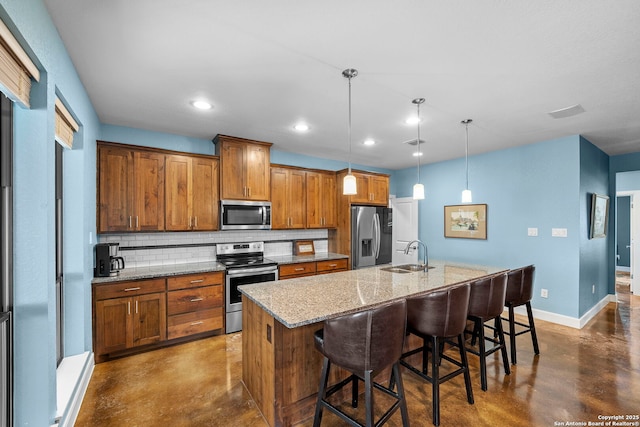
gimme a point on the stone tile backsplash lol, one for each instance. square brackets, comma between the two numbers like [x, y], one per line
[168, 248]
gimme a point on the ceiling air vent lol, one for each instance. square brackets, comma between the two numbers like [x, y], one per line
[414, 141]
[574, 110]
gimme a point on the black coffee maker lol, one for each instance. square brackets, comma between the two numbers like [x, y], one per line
[107, 263]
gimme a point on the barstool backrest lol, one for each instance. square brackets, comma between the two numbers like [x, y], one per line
[520, 285]
[440, 313]
[488, 296]
[368, 340]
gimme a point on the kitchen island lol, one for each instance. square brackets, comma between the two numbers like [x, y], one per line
[280, 366]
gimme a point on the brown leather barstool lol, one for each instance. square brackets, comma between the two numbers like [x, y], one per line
[520, 292]
[486, 303]
[363, 343]
[436, 317]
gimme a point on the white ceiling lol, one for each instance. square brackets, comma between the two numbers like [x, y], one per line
[267, 64]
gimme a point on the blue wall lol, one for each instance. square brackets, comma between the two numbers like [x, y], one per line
[34, 233]
[594, 178]
[535, 185]
[146, 138]
[628, 181]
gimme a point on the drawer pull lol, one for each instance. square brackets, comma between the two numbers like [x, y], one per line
[197, 323]
[197, 281]
[197, 299]
[333, 265]
[300, 269]
[132, 289]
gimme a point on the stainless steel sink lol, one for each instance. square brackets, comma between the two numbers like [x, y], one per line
[406, 268]
[395, 270]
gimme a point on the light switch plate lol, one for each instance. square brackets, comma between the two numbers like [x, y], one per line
[532, 231]
[559, 232]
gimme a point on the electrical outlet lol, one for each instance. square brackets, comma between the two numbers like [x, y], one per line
[558, 232]
[544, 293]
[532, 231]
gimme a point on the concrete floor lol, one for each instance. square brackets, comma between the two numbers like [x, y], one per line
[579, 376]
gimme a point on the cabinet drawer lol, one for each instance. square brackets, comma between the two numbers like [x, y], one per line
[329, 266]
[194, 299]
[122, 289]
[195, 280]
[182, 325]
[302, 268]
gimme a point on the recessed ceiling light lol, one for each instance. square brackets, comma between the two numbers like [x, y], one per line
[301, 127]
[202, 105]
[369, 142]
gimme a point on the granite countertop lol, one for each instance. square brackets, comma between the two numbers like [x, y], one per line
[306, 300]
[136, 273]
[295, 259]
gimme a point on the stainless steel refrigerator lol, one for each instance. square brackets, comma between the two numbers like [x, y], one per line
[370, 236]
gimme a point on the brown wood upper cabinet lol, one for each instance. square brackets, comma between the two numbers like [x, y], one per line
[130, 189]
[321, 199]
[244, 166]
[373, 189]
[288, 203]
[191, 193]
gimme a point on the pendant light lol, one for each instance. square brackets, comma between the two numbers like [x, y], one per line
[418, 188]
[349, 181]
[466, 193]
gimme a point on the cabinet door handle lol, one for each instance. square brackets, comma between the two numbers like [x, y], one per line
[197, 281]
[132, 289]
[137, 224]
[129, 221]
[195, 222]
[300, 269]
[136, 306]
[197, 323]
[196, 299]
[189, 226]
[129, 307]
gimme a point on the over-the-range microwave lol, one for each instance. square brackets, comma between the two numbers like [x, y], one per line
[245, 215]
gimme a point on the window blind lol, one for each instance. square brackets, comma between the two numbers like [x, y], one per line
[65, 125]
[16, 69]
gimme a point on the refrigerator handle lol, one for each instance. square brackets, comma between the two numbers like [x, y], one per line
[376, 225]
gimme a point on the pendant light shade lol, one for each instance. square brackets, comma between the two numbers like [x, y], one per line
[349, 185]
[466, 193]
[418, 191]
[418, 188]
[349, 182]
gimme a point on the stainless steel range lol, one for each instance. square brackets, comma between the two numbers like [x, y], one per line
[245, 264]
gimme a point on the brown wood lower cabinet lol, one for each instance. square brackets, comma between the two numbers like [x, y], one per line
[194, 304]
[129, 315]
[133, 316]
[311, 268]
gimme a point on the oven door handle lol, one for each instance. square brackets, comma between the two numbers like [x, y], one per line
[251, 271]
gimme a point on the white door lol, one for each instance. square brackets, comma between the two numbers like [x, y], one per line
[635, 239]
[405, 229]
[635, 243]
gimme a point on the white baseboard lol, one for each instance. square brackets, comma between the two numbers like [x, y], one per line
[72, 377]
[561, 319]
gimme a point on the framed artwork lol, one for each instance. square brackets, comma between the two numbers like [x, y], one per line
[304, 247]
[465, 221]
[599, 216]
